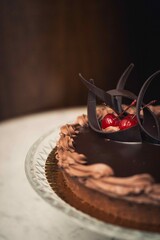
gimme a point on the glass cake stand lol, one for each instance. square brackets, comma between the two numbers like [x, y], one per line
[35, 171]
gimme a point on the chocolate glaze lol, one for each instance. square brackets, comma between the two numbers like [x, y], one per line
[125, 159]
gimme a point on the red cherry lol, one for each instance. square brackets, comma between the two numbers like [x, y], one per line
[109, 120]
[129, 121]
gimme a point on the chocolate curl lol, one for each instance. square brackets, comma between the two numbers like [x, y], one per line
[101, 94]
[121, 84]
[150, 125]
[129, 135]
[91, 109]
[107, 97]
[135, 133]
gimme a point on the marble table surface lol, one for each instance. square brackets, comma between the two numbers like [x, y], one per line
[23, 213]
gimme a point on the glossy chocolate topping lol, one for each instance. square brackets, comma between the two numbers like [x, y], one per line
[126, 159]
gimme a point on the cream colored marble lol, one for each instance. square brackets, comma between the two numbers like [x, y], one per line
[23, 214]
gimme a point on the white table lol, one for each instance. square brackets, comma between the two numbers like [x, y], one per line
[23, 214]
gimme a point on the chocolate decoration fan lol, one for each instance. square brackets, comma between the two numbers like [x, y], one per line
[147, 129]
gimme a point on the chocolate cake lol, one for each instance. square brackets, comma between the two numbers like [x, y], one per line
[110, 158]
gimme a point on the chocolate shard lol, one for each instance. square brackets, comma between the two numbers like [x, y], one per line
[150, 126]
[120, 86]
[100, 93]
[129, 135]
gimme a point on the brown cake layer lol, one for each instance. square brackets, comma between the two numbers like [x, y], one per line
[110, 210]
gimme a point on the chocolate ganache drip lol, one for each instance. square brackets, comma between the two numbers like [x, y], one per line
[147, 129]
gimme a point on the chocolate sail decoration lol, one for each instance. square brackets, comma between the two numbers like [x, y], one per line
[128, 135]
[120, 86]
[150, 126]
[147, 128]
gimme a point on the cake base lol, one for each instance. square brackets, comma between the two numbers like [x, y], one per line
[95, 204]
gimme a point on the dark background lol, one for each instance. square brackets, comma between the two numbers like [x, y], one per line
[45, 44]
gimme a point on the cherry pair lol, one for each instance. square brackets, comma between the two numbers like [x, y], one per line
[111, 120]
[128, 121]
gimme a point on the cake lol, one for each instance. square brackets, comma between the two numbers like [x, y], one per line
[114, 169]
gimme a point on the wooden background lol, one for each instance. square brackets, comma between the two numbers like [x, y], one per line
[45, 44]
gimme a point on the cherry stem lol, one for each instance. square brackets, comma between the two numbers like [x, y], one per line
[146, 105]
[151, 102]
[132, 104]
